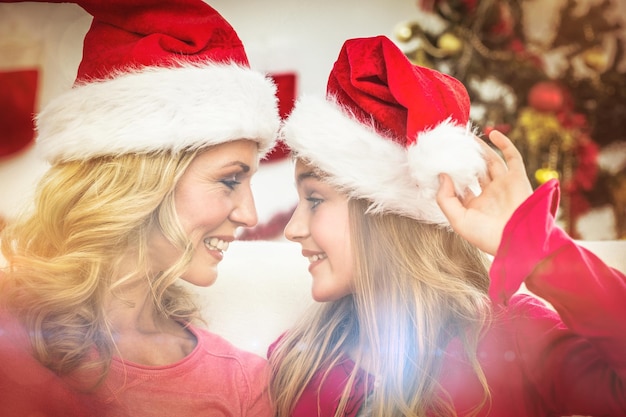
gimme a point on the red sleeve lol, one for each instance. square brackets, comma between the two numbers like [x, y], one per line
[585, 341]
[564, 373]
[530, 236]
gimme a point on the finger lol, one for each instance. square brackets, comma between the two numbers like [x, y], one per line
[449, 203]
[446, 186]
[495, 164]
[484, 181]
[511, 154]
[467, 197]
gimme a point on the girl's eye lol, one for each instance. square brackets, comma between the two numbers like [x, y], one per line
[231, 182]
[314, 202]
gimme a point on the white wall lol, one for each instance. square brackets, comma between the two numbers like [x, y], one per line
[308, 34]
[295, 35]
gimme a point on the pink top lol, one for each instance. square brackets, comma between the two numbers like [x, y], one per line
[215, 379]
[537, 362]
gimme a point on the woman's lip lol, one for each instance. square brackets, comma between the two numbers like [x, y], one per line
[214, 251]
[217, 254]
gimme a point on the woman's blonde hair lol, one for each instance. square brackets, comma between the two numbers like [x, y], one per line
[417, 286]
[64, 257]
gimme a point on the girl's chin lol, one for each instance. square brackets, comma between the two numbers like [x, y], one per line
[323, 296]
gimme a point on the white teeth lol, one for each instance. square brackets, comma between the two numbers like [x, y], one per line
[317, 257]
[216, 244]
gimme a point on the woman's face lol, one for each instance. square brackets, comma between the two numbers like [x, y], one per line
[212, 198]
[320, 224]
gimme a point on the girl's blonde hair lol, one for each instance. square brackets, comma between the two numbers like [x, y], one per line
[417, 286]
[64, 257]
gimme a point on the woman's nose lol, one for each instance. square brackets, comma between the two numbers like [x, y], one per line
[245, 212]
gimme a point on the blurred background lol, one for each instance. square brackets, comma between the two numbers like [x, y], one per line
[549, 73]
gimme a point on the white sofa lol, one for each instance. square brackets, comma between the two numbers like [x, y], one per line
[263, 286]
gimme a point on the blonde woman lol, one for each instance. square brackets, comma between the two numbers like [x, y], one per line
[152, 153]
[413, 318]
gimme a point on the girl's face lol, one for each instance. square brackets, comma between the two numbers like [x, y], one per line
[212, 198]
[320, 224]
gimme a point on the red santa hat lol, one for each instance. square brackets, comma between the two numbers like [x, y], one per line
[387, 129]
[158, 76]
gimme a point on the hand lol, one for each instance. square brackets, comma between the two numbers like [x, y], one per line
[481, 219]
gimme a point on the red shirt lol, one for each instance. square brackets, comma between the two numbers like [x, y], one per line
[215, 380]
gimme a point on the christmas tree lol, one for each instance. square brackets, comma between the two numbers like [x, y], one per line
[548, 73]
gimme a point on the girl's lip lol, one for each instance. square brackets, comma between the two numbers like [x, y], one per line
[309, 253]
[312, 265]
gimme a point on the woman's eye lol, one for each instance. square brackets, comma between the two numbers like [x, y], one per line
[314, 202]
[231, 182]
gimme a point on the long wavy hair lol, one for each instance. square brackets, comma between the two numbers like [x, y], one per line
[417, 286]
[64, 257]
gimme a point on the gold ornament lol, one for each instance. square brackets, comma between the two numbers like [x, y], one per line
[404, 32]
[596, 59]
[543, 175]
[450, 44]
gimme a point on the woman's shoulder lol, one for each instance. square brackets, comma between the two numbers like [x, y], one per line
[220, 357]
[216, 345]
[16, 354]
[12, 331]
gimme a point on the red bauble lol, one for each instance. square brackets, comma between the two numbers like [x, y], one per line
[547, 96]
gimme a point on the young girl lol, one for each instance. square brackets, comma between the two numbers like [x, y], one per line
[152, 153]
[414, 319]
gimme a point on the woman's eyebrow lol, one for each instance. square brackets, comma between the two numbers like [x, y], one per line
[244, 167]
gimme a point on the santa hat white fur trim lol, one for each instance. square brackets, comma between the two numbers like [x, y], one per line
[447, 148]
[366, 165]
[160, 108]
